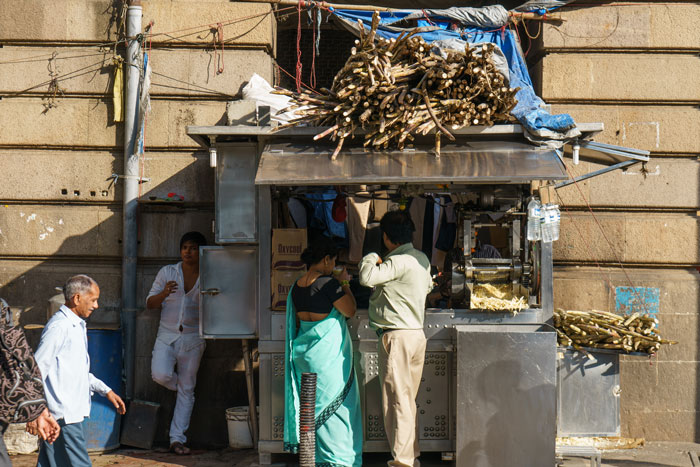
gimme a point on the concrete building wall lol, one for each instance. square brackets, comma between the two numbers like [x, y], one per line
[60, 208]
[634, 67]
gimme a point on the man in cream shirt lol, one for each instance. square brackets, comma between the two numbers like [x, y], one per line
[396, 311]
[64, 363]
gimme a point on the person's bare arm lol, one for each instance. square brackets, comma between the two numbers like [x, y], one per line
[346, 304]
[156, 301]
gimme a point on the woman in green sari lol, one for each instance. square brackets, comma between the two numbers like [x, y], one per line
[318, 341]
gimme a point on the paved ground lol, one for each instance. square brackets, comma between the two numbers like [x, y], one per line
[651, 455]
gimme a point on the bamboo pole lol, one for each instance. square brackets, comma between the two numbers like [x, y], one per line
[395, 89]
[514, 15]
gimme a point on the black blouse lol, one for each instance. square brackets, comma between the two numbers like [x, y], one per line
[317, 297]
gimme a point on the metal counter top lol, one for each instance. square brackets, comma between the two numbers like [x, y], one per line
[438, 326]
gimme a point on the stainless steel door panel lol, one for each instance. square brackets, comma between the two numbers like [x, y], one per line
[236, 206]
[588, 399]
[228, 291]
[506, 396]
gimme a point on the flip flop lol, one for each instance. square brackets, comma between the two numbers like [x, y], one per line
[179, 449]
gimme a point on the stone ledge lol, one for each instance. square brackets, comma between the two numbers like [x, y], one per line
[656, 128]
[635, 26]
[618, 77]
[94, 21]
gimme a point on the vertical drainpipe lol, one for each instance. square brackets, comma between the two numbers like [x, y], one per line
[131, 187]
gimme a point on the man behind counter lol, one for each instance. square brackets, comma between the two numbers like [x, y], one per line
[396, 311]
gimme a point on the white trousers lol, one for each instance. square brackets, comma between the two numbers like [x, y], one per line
[186, 351]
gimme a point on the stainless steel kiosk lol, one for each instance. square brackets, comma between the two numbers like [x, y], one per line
[488, 396]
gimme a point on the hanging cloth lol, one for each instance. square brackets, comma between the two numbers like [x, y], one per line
[144, 99]
[118, 90]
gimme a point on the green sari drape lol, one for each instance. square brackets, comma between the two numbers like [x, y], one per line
[325, 348]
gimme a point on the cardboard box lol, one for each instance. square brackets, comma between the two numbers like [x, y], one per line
[287, 245]
[282, 281]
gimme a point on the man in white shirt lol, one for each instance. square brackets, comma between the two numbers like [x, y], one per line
[64, 363]
[176, 291]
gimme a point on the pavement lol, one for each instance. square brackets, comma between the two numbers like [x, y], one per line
[652, 454]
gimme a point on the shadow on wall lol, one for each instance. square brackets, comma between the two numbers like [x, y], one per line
[697, 355]
[29, 280]
[506, 399]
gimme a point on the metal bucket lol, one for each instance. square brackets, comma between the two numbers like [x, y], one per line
[103, 426]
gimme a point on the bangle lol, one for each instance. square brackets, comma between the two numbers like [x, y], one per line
[345, 283]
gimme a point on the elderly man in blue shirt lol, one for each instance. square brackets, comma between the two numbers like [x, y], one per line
[64, 363]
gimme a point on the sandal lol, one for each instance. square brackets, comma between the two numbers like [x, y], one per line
[179, 449]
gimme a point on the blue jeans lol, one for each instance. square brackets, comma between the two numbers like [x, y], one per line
[69, 450]
[4, 458]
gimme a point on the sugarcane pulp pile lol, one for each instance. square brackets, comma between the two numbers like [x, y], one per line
[396, 89]
[604, 330]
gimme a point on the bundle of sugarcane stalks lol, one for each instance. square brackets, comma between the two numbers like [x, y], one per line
[396, 89]
[604, 330]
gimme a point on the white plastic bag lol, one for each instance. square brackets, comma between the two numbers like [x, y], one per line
[259, 90]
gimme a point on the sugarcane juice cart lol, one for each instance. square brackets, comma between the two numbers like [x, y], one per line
[488, 393]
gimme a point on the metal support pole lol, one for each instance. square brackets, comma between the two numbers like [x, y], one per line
[131, 186]
[621, 165]
[547, 281]
[252, 405]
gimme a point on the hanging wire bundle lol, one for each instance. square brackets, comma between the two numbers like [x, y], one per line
[604, 330]
[398, 88]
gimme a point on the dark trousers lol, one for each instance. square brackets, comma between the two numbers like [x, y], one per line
[69, 450]
[4, 458]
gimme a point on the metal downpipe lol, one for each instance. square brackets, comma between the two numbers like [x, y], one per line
[131, 189]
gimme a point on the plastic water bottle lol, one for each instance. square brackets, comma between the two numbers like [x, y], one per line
[546, 223]
[556, 222]
[534, 218]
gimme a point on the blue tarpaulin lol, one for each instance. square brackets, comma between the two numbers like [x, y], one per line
[528, 110]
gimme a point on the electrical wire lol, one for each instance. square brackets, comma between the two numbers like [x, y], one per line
[169, 34]
[208, 27]
[45, 57]
[612, 248]
[179, 88]
[63, 77]
[589, 247]
[204, 89]
[292, 76]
